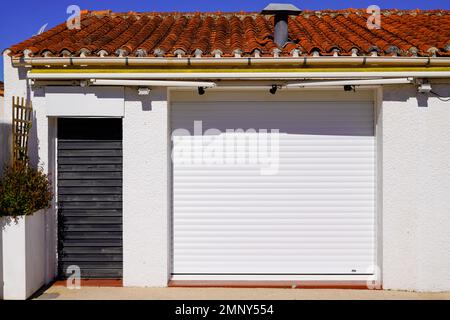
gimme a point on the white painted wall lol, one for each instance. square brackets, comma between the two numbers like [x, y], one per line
[15, 84]
[84, 102]
[416, 190]
[145, 189]
[40, 243]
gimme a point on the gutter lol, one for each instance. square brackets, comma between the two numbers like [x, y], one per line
[250, 61]
[234, 75]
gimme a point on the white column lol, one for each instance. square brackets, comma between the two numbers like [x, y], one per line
[145, 189]
[15, 85]
[28, 247]
[42, 148]
[416, 190]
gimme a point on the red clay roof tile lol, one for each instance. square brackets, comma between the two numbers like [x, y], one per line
[326, 32]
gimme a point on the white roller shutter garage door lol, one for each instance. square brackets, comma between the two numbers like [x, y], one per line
[264, 188]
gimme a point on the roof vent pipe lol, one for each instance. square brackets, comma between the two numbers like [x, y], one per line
[282, 11]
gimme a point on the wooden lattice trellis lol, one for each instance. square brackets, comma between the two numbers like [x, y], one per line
[22, 113]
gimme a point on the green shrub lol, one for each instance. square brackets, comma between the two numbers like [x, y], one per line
[24, 190]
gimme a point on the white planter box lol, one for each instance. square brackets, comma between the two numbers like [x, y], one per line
[24, 255]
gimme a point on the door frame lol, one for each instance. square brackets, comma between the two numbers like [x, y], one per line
[54, 135]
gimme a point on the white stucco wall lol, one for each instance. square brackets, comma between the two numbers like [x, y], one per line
[416, 190]
[40, 242]
[145, 189]
[63, 101]
[14, 84]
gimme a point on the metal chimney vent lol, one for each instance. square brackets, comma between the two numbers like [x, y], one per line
[281, 11]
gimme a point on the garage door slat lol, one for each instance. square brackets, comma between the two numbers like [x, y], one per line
[89, 167]
[92, 243]
[98, 235]
[82, 220]
[91, 227]
[90, 160]
[82, 250]
[90, 190]
[84, 180]
[64, 144]
[90, 205]
[90, 212]
[90, 153]
[90, 197]
[87, 257]
[87, 175]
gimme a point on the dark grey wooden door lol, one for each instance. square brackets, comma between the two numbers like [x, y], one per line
[90, 197]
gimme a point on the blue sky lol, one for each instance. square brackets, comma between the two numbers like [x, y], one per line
[20, 20]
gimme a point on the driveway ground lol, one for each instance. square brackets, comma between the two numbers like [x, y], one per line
[107, 293]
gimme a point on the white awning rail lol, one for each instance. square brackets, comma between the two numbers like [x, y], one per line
[150, 83]
[355, 82]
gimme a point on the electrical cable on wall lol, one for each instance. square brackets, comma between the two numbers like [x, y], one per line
[440, 97]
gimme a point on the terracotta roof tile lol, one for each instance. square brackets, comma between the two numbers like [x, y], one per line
[169, 41]
[202, 41]
[186, 37]
[219, 41]
[149, 25]
[160, 31]
[325, 32]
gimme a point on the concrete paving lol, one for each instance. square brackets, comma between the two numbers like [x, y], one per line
[108, 293]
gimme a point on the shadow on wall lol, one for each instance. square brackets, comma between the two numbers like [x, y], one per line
[399, 93]
[156, 94]
[286, 118]
[5, 144]
[146, 101]
[422, 100]
[5, 147]
[5, 131]
[403, 93]
[33, 143]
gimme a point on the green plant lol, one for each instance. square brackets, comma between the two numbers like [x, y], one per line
[24, 190]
